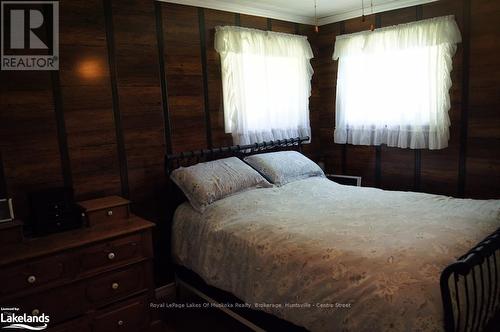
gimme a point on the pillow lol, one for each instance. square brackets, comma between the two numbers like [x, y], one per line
[284, 167]
[208, 182]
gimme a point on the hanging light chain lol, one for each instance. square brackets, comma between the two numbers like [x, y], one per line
[316, 16]
[372, 26]
[363, 10]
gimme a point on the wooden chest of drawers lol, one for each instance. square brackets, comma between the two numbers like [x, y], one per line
[93, 279]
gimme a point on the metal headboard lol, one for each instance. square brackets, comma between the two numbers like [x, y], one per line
[173, 161]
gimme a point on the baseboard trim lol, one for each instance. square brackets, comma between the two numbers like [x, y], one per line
[156, 326]
[166, 292]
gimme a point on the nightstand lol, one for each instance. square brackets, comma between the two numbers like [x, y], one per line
[95, 279]
[345, 179]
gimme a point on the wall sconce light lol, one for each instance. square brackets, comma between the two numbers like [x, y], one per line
[90, 69]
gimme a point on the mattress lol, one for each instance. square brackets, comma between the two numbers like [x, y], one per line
[330, 257]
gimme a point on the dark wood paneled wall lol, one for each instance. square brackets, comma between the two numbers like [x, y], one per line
[483, 124]
[470, 166]
[99, 124]
[137, 78]
[136, 73]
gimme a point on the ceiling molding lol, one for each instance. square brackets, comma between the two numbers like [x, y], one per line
[249, 10]
[278, 14]
[376, 9]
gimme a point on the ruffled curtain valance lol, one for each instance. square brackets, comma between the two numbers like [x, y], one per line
[431, 32]
[266, 82]
[393, 85]
[258, 42]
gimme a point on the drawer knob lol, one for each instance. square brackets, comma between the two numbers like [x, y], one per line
[35, 312]
[115, 285]
[111, 256]
[31, 279]
[110, 213]
[120, 322]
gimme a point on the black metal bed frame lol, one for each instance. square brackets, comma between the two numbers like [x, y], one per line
[470, 287]
[470, 304]
[173, 161]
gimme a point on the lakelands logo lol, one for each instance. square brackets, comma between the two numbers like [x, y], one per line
[15, 320]
[30, 35]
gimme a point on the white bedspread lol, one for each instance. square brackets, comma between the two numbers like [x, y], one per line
[377, 253]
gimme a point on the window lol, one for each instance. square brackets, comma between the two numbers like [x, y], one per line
[393, 83]
[266, 82]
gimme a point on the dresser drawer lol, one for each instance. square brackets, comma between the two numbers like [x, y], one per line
[115, 213]
[60, 304]
[73, 300]
[106, 209]
[77, 325]
[115, 285]
[109, 254]
[130, 316]
[33, 274]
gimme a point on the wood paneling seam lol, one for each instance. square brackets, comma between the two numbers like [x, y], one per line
[120, 141]
[464, 121]
[163, 82]
[203, 56]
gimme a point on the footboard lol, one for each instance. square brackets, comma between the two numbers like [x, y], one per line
[470, 287]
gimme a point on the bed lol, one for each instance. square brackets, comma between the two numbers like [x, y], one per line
[325, 256]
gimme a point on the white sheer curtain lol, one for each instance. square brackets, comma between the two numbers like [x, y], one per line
[393, 85]
[266, 82]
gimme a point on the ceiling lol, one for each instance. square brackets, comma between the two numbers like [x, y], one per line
[302, 11]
